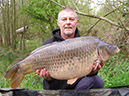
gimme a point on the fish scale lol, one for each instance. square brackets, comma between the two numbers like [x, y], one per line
[66, 60]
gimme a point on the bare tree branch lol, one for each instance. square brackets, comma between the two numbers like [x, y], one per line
[109, 35]
[57, 4]
[93, 16]
[75, 6]
[100, 19]
[126, 29]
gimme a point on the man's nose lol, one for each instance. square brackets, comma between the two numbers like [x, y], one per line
[68, 21]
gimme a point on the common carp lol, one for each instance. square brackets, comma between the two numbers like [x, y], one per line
[66, 60]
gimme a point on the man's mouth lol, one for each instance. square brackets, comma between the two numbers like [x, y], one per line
[68, 28]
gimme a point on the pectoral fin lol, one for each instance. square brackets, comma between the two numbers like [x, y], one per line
[71, 81]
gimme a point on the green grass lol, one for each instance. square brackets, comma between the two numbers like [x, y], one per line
[115, 72]
[10, 58]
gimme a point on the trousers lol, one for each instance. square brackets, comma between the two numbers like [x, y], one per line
[90, 82]
[87, 82]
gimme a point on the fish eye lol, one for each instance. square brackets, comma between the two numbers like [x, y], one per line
[109, 46]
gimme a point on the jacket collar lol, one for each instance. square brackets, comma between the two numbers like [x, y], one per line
[56, 34]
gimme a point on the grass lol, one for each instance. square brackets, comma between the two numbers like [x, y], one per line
[115, 72]
[10, 58]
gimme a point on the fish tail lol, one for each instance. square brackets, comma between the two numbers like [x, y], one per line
[10, 73]
[16, 77]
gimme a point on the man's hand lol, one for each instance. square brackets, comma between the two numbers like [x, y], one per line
[98, 67]
[44, 73]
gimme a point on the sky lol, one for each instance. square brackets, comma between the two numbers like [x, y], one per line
[95, 5]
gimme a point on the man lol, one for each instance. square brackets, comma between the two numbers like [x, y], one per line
[68, 21]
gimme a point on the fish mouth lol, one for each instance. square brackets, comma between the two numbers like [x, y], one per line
[117, 50]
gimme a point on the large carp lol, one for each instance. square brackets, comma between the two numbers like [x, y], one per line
[66, 60]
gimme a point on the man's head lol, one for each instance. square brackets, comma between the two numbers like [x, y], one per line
[67, 21]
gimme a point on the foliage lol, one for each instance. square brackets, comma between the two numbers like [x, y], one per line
[115, 72]
[10, 58]
[43, 11]
[43, 17]
[42, 20]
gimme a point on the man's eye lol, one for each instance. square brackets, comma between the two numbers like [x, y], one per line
[72, 19]
[63, 19]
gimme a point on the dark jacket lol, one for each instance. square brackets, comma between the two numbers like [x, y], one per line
[56, 36]
[58, 84]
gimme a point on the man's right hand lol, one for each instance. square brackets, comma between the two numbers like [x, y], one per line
[44, 73]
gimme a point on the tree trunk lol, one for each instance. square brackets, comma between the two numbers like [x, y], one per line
[4, 21]
[14, 36]
[8, 24]
[1, 40]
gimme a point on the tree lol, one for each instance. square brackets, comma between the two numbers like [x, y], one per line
[44, 12]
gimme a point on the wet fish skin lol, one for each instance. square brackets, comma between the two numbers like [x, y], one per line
[69, 59]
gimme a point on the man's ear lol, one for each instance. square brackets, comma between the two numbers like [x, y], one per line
[77, 22]
[58, 23]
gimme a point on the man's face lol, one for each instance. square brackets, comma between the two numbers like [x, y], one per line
[67, 22]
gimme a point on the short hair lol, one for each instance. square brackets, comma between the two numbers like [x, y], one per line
[68, 9]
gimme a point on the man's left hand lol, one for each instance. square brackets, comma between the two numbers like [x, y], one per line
[98, 67]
